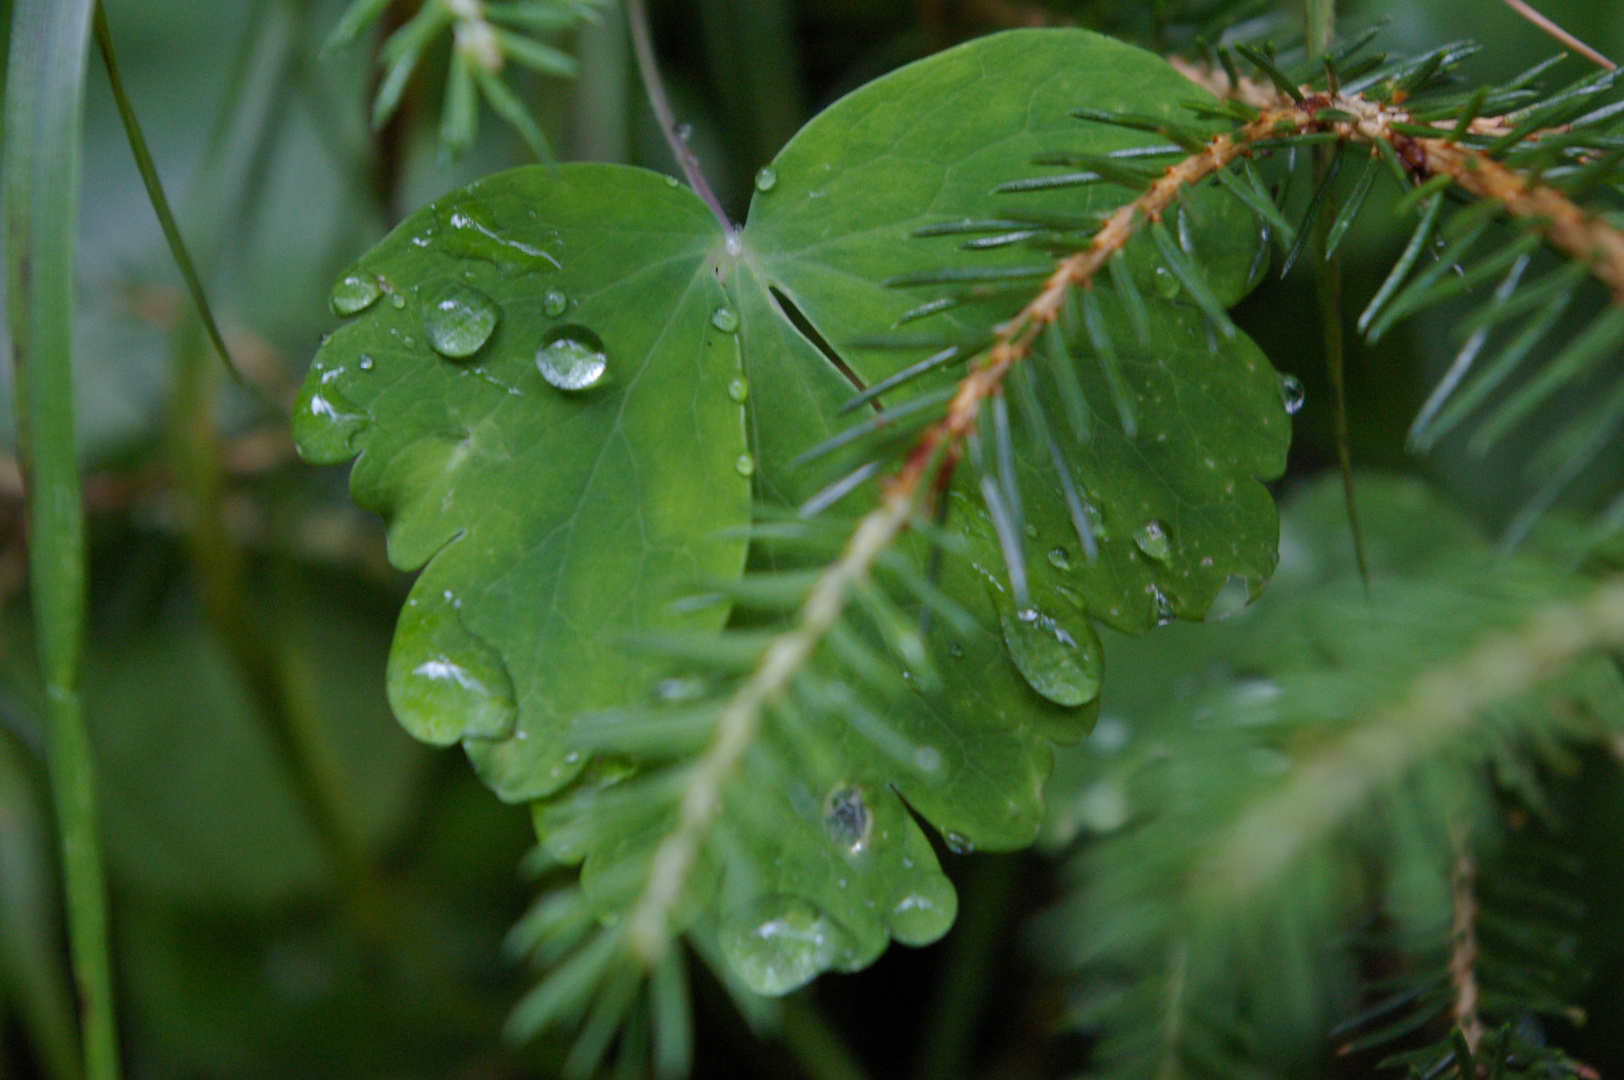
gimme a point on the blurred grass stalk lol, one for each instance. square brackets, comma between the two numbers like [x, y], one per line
[44, 115]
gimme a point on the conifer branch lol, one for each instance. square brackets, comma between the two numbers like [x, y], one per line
[1332, 784]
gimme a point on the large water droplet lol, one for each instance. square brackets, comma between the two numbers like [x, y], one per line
[781, 943]
[767, 178]
[847, 818]
[1292, 394]
[739, 390]
[958, 843]
[354, 293]
[325, 423]
[1152, 539]
[445, 684]
[725, 319]
[460, 320]
[572, 358]
[554, 303]
[746, 466]
[1064, 663]
[925, 911]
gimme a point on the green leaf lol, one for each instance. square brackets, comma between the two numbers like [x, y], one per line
[551, 523]
[479, 466]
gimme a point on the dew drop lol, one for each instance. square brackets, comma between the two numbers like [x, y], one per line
[355, 293]
[924, 912]
[955, 649]
[781, 943]
[1060, 558]
[444, 683]
[1064, 663]
[397, 301]
[739, 390]
[1152, 539]
[460, 320]
[746, 465]
[927, 759]
[326, 423]
[1164, 606]
[958, 843]
[365, 363]
[675, 690]
[1234, 596]
[555, 303]
[1292, 394]
[572, 358]
[767, 178]
[847, 818]
[726, 320]
[1167, 286]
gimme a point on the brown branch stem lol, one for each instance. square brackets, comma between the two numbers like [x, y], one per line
[1463, 949]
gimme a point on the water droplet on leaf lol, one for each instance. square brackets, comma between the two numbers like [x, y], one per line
[1234, 596]
[1164, 606]
[958, 843]
[1064, 663]
[767, 178]
[779, 944]
[365, 363]
[1060, 558]
[326, 423]
[355, 293]
[397, 301]
[848, 818]
[1152, 539]
[726, 320]
[1292, 394]
[925, 911]
[460, 320]
[746, 465]
[572, 358]
[555, 303]
[739, 390]
[444, 683]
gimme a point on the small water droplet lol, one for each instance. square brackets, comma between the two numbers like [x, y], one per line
[767, 178]
[746, 465]
[355, 293]
[460, 320]
[572, 358]
[671, 181]
[739, 390]
[1096, 522]
[927, 759]
[958, 843]
[1060, 558]
[366, 362]
[1164, 606]
[1292, 394]
[955, 649]
[444, 683]
[555, 303]
[1167, 286]
[689, 689]
[1152, 539]
[726, 320]
[1062, 662]
[925, 911]
[397, 301]
[847, 818]
[1031, 531]
[1234, 596]
[781, 943]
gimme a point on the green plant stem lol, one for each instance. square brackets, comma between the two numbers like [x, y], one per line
[816, 1046]
[44, 125]
[155, 192]
[649, 66]
[962, 988]
[222, 579]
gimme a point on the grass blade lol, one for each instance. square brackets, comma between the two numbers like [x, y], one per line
[44, 125]
[155, 194]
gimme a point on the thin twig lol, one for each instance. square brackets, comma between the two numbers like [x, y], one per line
[1567, 39]
[649, 66]
[1463, 948]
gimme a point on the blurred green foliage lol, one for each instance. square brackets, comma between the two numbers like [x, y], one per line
[248, 945]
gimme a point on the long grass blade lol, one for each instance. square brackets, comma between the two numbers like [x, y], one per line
[44, 126]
